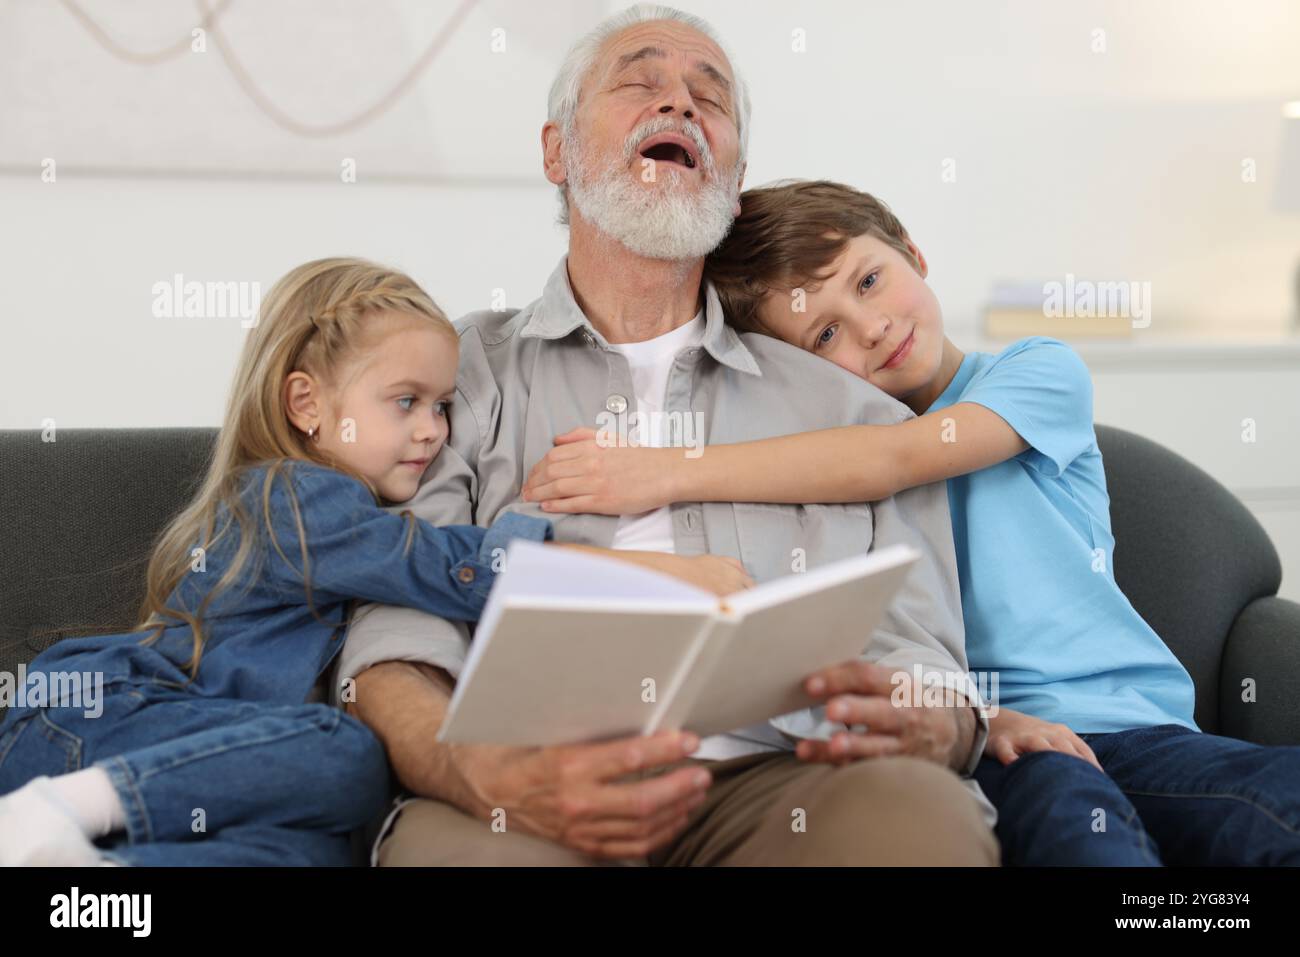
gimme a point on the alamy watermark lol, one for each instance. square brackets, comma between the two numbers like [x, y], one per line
[179, 299]
[62, 689]
[1105, 300]
[75, 909]
[944, 689]
[628, 429]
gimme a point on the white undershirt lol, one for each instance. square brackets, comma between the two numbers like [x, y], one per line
[651, 362]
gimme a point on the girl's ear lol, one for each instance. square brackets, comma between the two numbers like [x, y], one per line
[302, 401]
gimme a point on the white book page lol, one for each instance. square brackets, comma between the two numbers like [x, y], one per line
[546, 577]
[565, 676]
[550, 668]
[822, 618]
[555, 572]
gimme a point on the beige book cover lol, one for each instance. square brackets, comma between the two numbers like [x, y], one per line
[1013, 323]
[574, 647]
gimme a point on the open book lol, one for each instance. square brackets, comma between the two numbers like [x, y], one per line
[574, 647]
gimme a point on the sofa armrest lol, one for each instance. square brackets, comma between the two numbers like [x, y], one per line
[1263, 648]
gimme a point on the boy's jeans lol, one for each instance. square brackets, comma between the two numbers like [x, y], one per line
[1170, 795]
[211, 781]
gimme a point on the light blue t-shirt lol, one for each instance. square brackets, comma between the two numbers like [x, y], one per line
[1034, 555]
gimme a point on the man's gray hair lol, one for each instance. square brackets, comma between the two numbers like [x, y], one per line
[562, 103]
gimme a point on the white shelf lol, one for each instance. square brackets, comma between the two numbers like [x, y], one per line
[1188, 352]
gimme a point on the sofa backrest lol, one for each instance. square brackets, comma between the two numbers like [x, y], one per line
[1188, 555]
[78, 519]
[79, 516]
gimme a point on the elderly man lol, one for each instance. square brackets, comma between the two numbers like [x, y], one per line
[646, 140]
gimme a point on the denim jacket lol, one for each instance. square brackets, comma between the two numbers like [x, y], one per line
[262, 642]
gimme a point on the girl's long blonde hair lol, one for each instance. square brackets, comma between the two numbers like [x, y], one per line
[314, 320]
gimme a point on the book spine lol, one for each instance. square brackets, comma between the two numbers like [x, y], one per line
[692, 679]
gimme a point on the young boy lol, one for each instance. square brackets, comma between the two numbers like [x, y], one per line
[1093, 755]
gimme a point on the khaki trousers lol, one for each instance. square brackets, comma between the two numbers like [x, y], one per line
[761, 809]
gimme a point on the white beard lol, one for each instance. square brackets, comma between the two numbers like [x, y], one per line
[660, 220]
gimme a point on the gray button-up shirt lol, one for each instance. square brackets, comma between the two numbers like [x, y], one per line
[527, 375]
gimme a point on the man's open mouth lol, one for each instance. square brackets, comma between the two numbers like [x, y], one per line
[669, 148]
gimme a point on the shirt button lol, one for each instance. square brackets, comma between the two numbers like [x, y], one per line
[690, 519]
[466, 575]
[616, 404]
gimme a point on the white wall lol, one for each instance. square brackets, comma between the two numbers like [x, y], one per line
[83, 346]
[1117, 165]
[1123, 164]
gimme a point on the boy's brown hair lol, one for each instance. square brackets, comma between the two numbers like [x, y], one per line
[786, 237]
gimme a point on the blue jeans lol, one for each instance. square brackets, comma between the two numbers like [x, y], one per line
[1170, 795]
[209, 781]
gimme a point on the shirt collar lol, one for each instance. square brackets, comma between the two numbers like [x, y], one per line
[558, 315]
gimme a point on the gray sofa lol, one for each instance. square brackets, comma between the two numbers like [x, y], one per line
[77, 518]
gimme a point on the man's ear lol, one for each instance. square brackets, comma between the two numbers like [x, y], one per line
[552, 157]
[740, 188]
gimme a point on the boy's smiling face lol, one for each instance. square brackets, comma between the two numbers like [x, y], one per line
[875, 316]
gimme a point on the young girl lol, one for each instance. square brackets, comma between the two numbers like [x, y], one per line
[203, 748]
[1084, 683]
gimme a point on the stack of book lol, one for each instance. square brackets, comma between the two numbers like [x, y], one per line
[1063, 309]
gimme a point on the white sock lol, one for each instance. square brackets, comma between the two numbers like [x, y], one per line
[38, 829]
[91, 799]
